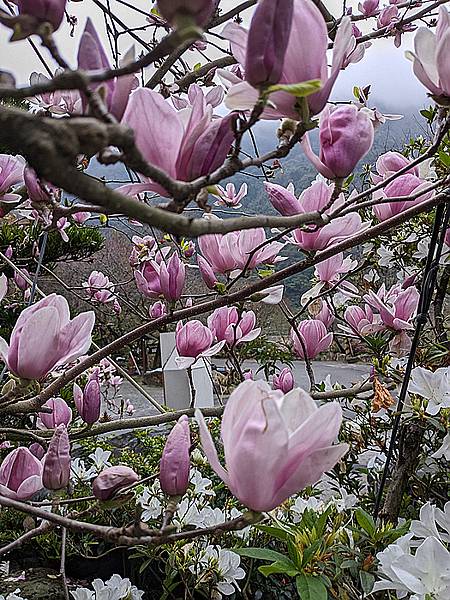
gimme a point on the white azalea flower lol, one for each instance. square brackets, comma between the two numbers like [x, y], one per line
[12, 596]
[201, 484]
[226, 565]
[151, 503]
[79, 471]
[116, 588]
[387, 257]
[425, 574]
[100, 458]
[433, 386]
[444, 450]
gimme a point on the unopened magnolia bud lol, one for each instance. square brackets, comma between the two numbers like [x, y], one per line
[56, 463]
[111, 480]
[199, 10]
[174, 465]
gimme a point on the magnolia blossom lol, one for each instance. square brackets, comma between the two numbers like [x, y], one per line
[274, 445]
[228, 196]
[232, 327]
[199, 10]
[44, 11]
[92, 57]
[315, 198]
[369, 8]
[213, 97]
[346, 136]
[329, 270]
[305, 59]
[56, 462]
[194, 340]
[88, 401]
[402, 186]
[430, 56]
[99, 287]
[11, 174]
[61, 413]
[284, 381]
[361, 319]
[113, 479]
[235, 250]
[45, 337]
[312, 338]
[59, 102]
[433, 386]
[395, 306]
[20, 475]
[389, 163]
[172, 276]
[194, 143]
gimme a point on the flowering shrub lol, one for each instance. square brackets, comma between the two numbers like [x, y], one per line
[201, 234]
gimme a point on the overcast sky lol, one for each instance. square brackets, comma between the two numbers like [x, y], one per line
[393, 85]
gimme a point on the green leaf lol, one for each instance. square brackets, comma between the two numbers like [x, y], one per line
[299, 90]
[275, 532]
[286, 567]
[311, 588]
[367, 581]
[365, 521]
[310, 551]
[261, 554]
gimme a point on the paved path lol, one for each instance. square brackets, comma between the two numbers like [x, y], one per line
[344, 373]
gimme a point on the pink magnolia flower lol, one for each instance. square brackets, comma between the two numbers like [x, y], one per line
[430, 56]
[283, 199]
[232, 327]
[274, 445]
[148, 281]
[39, 191]
[20, 474]
[267, 42]
[11, 174]
[325, 315]
[61, 413]
[59, 102]
[56, 462]
[194, 340]
[172, 277]
[305, 59]
[246, 241]
[313, 339]
[88, 401]
[112, 480]
[402, 186]
[44, 11]
[330, 270]
[316, 198]
[92, 57]
[195, 144]
[284, 381]
[214, 97]
[20, 281]
[388, 16]
[81, 217]
[200, 10]
[389, 163]
[99, 287]
[45, 337]
[369, 8]
[229, 197]
[157, 310]
[361, 319]
[346, 136]
[396, 307]
[175, 461]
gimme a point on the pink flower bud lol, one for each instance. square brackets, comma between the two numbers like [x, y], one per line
[88, 402]
[193, 338]
[346, 136]
[267, 41]
[369, 8]
[61, 413]
[314, 336]
[38, 191]
[387, 16]
[200, 10]
[283, 199]
[56, 463]
[157, 310]
[284, 381]
[20, 281]
[208, 275]
[172, 278]
[37, 450]
[44, 11]
[111, 480]
[9, 251]
[81, 217]
[174, 465]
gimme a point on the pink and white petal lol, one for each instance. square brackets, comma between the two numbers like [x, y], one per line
[209, 448]
[184, 362]
[241, 96]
